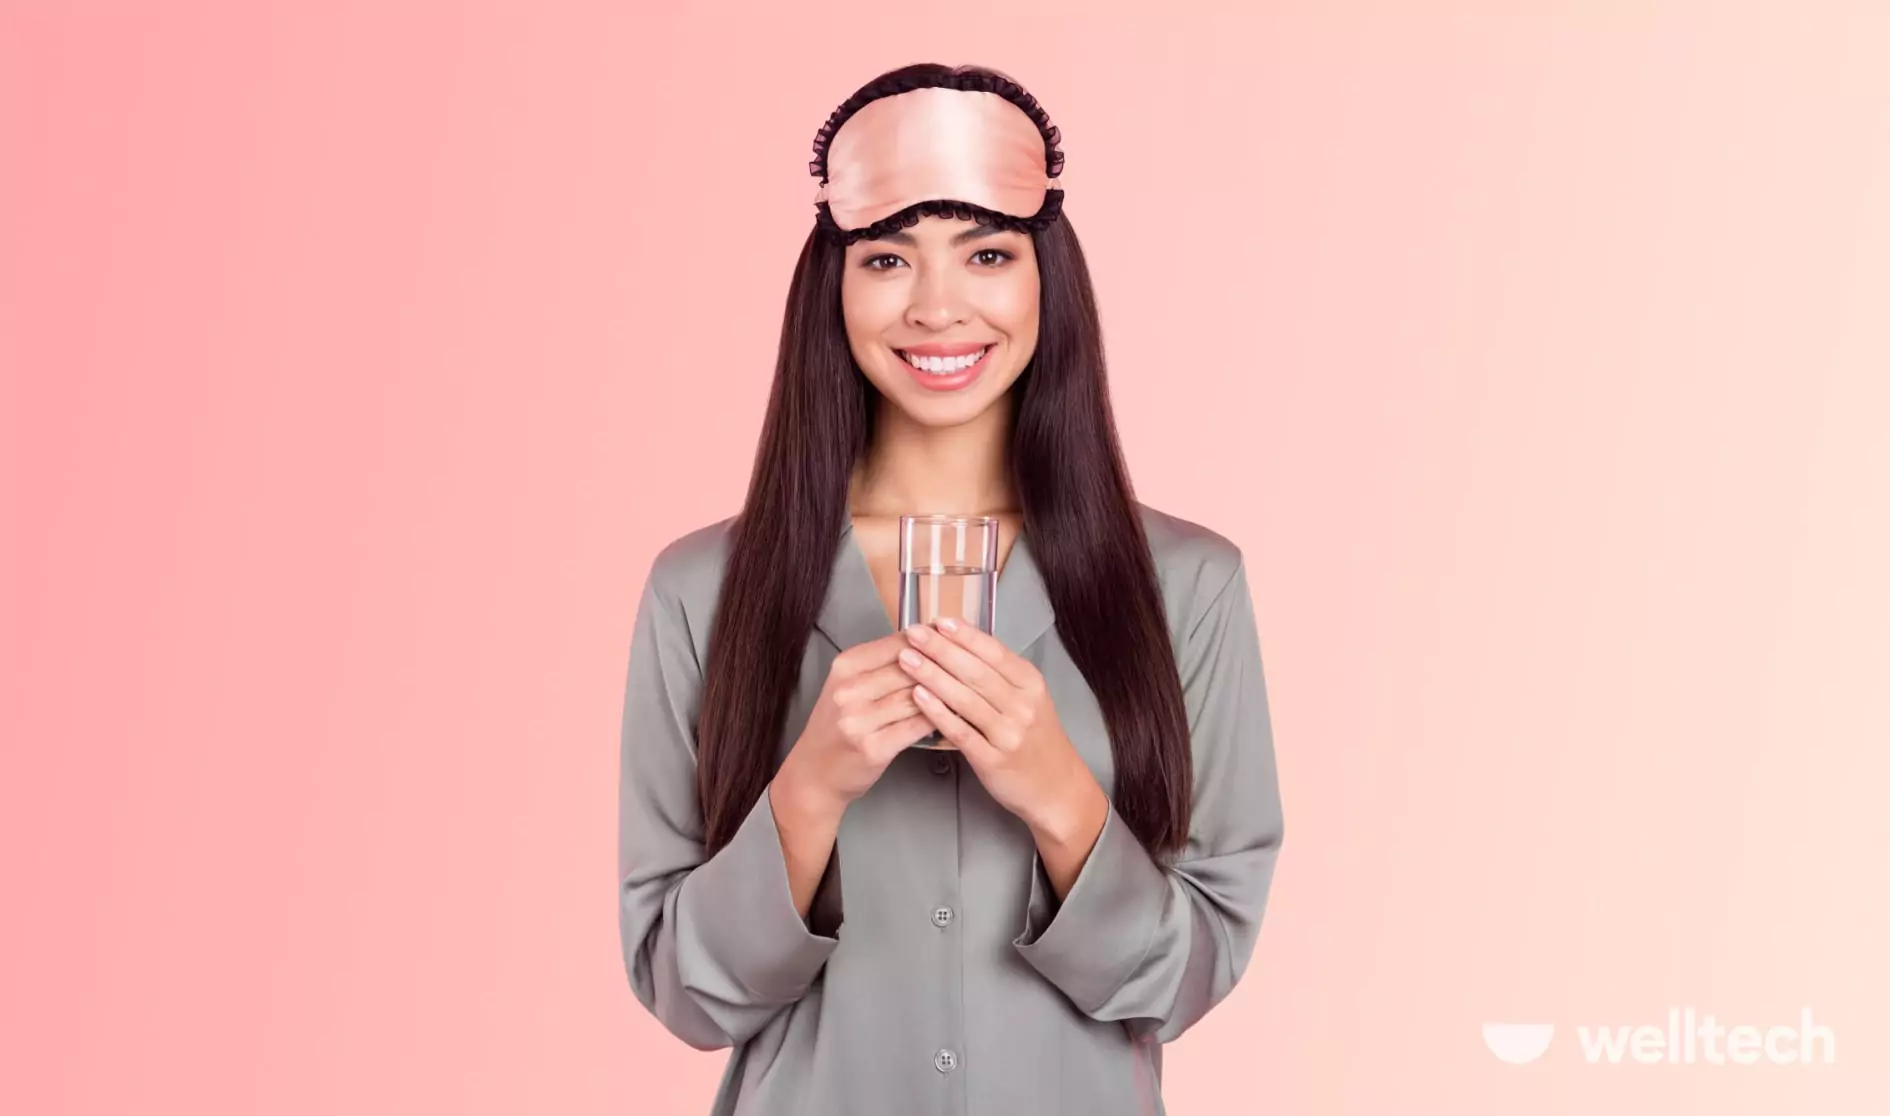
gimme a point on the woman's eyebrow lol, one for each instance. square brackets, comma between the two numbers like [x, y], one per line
[976, 232]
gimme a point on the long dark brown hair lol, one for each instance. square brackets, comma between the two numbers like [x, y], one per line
[1079, 513]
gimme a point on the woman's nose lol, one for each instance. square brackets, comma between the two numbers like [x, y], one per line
[935, 304]
[935, 316]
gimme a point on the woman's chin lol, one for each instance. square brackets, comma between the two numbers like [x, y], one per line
[940, 414]
[945, 409]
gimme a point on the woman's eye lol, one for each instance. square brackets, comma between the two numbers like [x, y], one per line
[886, 261]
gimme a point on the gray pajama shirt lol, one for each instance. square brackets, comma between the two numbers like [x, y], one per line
[936, 973]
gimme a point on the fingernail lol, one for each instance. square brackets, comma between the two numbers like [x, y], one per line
[917, 633]
[910, 658]
[948, 623]
[921, 693]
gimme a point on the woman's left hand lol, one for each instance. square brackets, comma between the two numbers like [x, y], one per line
[994, 706]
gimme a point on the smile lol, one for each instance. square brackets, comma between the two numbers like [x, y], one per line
[946, 372]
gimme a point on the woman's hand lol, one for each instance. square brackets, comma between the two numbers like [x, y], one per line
[863, 718]
[995, 707]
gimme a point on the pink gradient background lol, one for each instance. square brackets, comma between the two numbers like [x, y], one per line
[1536, 353]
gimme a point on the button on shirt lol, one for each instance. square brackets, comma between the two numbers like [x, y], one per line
[936, 973]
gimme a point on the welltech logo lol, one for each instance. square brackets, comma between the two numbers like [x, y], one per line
[1688, 1038]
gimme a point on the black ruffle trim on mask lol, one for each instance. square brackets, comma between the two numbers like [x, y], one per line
[963, 211]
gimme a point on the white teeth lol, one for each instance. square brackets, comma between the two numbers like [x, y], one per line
[945, 365]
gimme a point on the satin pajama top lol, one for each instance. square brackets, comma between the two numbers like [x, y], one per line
[936, 974]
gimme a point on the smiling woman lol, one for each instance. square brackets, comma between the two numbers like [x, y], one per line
[1023, 920]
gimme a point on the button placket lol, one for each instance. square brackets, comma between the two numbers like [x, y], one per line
[945, 806]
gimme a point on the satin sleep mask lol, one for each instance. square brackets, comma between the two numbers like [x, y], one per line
[970, 146]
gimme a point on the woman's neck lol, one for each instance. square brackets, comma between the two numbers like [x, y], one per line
[913, 469]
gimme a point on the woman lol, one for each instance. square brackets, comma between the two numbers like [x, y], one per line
[1027, 916]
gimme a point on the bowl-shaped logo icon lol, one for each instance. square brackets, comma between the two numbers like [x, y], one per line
[1518, 1043]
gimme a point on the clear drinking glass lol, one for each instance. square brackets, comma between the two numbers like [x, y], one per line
[947, 567]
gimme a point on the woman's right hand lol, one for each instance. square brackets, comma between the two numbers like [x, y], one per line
[864, 717]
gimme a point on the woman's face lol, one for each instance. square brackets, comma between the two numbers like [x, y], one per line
[942, 317]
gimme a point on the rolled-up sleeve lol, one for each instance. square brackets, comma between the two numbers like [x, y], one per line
[1156, 945]
[714, 947]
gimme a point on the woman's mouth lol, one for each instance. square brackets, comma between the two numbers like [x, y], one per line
[945, 372]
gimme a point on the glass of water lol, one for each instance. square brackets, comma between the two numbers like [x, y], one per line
[948, 568]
